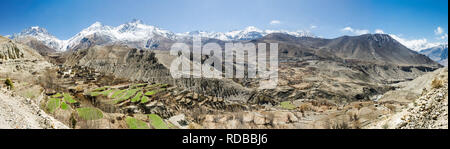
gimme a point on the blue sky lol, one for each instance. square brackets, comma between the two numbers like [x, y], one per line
[408, 19]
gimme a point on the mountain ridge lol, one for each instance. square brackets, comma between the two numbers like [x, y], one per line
[438, 53]
[137, 31]
[368, 47]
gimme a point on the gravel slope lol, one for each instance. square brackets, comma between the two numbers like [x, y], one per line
[22, 113]
[428, 111]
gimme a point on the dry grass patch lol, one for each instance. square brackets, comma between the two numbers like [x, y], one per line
[305, 107]
[437, 83]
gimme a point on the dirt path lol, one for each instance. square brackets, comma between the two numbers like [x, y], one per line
[22, 113]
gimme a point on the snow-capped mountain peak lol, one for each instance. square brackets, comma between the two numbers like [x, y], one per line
[40, 34]
[136, 21]
[137, 33]
[96, 25]
[134, 31]
[438, 53]
[248, 33]
[134, 25]
[444, 46]
[34, 31]
[252, 29]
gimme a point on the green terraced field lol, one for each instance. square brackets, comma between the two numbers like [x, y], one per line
[100, 89]
[104, 93]
[53, 104]
[128, 94]
[68, 98]
[153, 92]
[57, 95]
[134, 123]
[145, 99]
[60, 100]
[137, 98]
[90, 113]
[157, 122]
[64, 106]
[287, 105]
[135, 93]
[117, 93]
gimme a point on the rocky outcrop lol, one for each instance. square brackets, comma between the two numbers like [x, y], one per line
[23, 113]
[39, 46]
[143, 65]
[8, 50]
[430, 111]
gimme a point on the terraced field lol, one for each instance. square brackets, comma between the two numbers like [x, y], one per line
[138, 93]
[60, 100]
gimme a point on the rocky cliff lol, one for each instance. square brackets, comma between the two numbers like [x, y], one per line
[143, 65]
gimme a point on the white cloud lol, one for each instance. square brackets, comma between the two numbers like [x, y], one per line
[355, 31]
[275, 22]
[313, 27]
[379, 31]
[443, 37]
[415, 44]
[438, 30]
[361, 32]
[349, 29]
[420, 44]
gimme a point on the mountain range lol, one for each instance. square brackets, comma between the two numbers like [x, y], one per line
[136, 33]
[336, 73]
[438, 54]
[380, 48]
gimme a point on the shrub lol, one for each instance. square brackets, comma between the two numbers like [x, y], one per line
[305, 107]
[9, 84]
[436, 83]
